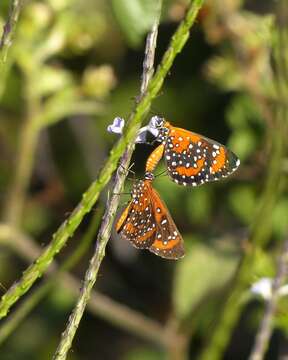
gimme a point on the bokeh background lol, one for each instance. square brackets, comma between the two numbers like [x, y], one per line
[75, 65]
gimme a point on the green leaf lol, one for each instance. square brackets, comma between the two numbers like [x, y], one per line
[135, 18]
[264, 265]
[281, 318]
[243, 195]
[243, 142]
[223, 71]
[66, 103]
[243, 112]
[279, 217]
[203, 270]
[50, 80]
[61, 300]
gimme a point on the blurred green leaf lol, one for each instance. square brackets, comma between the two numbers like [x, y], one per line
[36, 218]
[245, 119]
[202, 271]
[222, 70]
[257, 29]
[199, 204]
[281, 316]
[98, 81]
[242, 112]
[243, 202]
[67, 103]
[243, 142]
[279, 217]
[144, 354]
[61, 299]
[264, 265]
[135, 18]
[51, 79]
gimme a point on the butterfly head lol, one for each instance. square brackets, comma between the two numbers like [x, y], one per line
[162, 127]
[157, 122]
[149, 176]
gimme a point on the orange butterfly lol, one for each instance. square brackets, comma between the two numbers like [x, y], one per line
[191, 159]
[147, 223]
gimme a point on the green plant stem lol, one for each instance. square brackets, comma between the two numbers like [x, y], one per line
[16, 197]
[89, 198]
[100, 305]
[8, 31]
[11, 325]
[39, 294]
[177, 42]
[29, 135]
[260, 231]
[6, 42]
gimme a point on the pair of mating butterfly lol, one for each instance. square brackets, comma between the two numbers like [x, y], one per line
[191, 159]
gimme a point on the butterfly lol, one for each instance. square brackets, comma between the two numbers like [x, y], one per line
[147, 223]
[191, 159]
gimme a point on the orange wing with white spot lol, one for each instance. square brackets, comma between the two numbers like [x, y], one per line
[193, 159]
[147, 224]
[136, 223]
[168, 242]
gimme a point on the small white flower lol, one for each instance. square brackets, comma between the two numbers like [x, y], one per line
[263, 287]
[142, 135]
[117, 126]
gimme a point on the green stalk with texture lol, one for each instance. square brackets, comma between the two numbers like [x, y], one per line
[33, 300]
[6, 41]
[8, 32]
[119, 315]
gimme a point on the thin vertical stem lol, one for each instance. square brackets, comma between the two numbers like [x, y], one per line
[29, 134]
[6, 42]
[23, 171]
[266, 326]
[8, 31]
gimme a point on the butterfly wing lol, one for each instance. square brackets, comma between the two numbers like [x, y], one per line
[137, 223]
[193, 159]
[168, 242]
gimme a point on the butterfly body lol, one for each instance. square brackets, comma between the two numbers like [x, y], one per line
[147, 223]
[191, 159]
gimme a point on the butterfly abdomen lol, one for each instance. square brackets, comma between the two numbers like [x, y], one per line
[154, 158]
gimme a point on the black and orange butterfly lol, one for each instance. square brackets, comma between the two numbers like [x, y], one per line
[147, 223]
[191, 159]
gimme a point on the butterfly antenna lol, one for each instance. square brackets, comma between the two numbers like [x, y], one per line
[162, 173]
[127, 171]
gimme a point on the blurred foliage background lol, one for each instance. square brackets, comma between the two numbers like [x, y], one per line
[75, 65]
